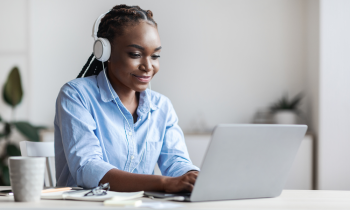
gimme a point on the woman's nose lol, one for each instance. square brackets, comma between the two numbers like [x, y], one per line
[146, 65]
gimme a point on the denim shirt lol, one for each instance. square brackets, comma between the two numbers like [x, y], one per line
[92, 136]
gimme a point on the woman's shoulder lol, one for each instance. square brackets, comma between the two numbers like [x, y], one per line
[85, 84]
[82, 89]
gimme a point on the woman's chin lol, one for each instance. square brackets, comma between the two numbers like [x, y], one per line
[140, 88]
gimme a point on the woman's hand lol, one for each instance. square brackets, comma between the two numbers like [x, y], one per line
[122, 181]
[182, 183]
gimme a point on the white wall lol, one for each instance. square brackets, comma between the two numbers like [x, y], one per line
[221, 60]
[334, 113]
[14, 52]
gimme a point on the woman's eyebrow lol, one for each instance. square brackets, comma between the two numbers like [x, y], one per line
[136, 46]
[142, 48]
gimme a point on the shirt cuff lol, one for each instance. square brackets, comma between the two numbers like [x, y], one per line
[181, 169]
[93, 172]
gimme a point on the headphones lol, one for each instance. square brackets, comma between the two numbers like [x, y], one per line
[102, 52]
[102, 47]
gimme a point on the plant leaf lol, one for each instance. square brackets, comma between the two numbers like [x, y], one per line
[7, 129]
[40, 127]
[296, 100]
[5, 175]
[12, 150]
[28, 130]
[13, 92]
[284, 103]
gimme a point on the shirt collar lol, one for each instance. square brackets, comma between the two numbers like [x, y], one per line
[106, 95]
[145, 101]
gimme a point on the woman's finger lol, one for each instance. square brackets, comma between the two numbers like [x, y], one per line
[189, 187]
[192, 179]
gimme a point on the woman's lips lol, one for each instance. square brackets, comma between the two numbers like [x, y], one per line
[142, 78]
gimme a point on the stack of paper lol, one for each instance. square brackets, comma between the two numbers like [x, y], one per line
[79, 195]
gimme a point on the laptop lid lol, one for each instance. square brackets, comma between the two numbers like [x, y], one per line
[247, 161]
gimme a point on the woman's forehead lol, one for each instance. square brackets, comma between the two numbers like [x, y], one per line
[143, 34]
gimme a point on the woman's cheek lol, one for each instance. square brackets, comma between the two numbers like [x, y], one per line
[156, 68]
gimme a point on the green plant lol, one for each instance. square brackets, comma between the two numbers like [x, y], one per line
[12, 95]
[285, 104]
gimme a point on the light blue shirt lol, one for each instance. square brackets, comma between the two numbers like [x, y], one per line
[92, 136]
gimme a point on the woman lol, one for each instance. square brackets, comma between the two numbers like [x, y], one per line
[109, 127]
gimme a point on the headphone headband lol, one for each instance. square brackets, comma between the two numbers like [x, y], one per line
[96, 25]
[101, 47]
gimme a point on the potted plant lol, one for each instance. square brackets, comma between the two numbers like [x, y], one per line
[12, 95]
[286, 111]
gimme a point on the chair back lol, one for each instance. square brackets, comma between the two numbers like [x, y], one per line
[41, 149]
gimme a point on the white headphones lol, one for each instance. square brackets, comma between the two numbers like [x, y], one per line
[102, 47]
[102, 52]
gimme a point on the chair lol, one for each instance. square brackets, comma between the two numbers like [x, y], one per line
[41, 149]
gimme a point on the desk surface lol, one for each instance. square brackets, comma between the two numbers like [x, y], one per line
[290, 199]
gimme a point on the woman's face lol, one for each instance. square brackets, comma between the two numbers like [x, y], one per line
[134, 57]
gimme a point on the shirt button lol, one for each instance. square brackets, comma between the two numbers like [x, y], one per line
[132, 157]
[130, 133]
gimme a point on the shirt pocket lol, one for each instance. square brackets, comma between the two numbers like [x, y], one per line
[153, 151]
[154, 136]
[154, 147]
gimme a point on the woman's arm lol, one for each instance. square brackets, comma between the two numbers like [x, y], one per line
[128, 182]
[76, 144]
[174, 159]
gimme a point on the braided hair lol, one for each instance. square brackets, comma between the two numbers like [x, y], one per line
[112, 25]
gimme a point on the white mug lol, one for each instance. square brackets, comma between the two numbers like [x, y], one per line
[27, 178]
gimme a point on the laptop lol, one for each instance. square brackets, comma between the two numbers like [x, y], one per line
[244, 161]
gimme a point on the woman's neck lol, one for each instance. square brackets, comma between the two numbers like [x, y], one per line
[128, 96]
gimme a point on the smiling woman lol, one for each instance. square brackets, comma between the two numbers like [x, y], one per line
[109, 127]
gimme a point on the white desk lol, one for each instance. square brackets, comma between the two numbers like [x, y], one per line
[290, 199]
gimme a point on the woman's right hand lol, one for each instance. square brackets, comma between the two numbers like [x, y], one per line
[182, 183]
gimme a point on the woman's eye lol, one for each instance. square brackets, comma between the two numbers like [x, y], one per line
[136, 55]
[155, 56]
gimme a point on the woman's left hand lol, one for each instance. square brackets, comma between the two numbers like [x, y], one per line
[182, 183]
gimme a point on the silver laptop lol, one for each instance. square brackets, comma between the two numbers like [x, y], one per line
[244, 161]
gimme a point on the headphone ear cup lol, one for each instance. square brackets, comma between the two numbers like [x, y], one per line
[102, 49]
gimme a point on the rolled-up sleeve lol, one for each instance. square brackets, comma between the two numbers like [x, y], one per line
[82, 149]
[174, 159]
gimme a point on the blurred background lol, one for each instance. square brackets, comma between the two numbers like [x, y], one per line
[223, 61]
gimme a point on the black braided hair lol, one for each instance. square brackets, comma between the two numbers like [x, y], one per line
[112, 25]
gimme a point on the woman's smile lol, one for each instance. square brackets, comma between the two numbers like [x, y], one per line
[140, 78]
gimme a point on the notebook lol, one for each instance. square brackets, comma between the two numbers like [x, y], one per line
[79, 195]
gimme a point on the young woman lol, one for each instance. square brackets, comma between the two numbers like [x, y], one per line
[109, 127]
